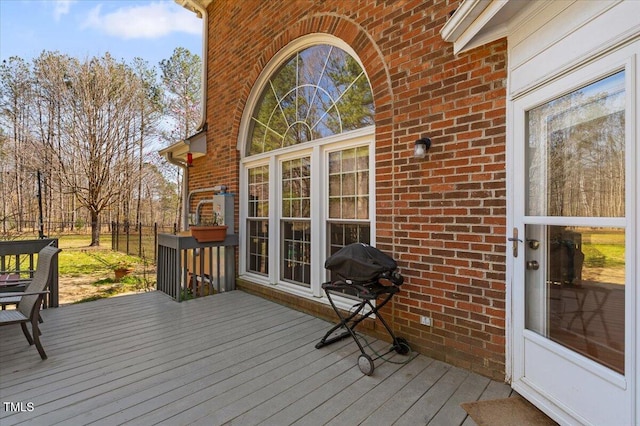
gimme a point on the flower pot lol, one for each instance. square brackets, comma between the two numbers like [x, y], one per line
[208, 234]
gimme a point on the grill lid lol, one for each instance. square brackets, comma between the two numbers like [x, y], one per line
[360, 262]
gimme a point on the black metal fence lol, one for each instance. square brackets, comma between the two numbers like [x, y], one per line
[10, 231]
[138, 239]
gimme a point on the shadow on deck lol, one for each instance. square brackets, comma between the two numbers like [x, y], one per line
[237, 358]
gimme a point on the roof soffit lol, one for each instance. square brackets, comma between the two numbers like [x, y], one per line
[185, 3]
[477, 22]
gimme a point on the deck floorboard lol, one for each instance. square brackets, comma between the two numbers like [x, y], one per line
[232, 358]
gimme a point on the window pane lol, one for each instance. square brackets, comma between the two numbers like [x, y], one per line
[349, 184]
[343, 234]
[296, 252]
[348, 208]
[320, 91]
[335, 186]
[296, 188]
[258, 246]
[258, 192]
[583, 305]
[334, 207]
[576, 154]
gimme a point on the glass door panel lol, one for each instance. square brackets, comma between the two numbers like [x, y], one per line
[576, 153]
[578, 302]
[574, 206]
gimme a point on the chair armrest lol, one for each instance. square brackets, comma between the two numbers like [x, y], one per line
[13, 283]
[23, 293]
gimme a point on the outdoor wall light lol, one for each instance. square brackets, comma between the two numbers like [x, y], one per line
[421, 147]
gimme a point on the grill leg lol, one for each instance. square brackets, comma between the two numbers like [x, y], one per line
[344, 323]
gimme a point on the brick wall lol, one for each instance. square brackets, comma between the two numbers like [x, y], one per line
[443, 217]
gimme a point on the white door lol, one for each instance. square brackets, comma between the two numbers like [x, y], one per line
[573, 242]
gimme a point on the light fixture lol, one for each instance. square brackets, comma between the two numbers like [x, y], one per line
[421, 147]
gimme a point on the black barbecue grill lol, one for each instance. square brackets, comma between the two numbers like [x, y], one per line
[368, 274]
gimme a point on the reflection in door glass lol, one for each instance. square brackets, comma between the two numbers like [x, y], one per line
[575, 291]
[576, 153]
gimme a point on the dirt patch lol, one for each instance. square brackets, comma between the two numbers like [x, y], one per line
[73, 289]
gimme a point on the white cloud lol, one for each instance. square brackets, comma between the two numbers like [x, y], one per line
[61, 7]
[148, 21]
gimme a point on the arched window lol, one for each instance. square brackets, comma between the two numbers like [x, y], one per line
[307, 167]
[320, 91]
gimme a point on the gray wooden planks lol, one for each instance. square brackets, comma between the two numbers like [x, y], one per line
[232, 358]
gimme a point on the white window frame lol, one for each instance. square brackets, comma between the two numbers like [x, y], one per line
[319, 151]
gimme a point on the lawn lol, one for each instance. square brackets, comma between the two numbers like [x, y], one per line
[87, 273]
[604, 249]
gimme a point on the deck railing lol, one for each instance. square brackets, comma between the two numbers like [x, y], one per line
[19, 258]
[187, 268]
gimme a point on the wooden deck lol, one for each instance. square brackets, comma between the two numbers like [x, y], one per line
[231, 358]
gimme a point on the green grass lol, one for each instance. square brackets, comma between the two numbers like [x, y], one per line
[603, 255]
[82, 241]
[603, 249]
[78, 262]
[78, 259]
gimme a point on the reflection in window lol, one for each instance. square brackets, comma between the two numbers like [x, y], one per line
[582, 304]
[349, 184]
[258, 220]
[296, 188]
[343, 234]
[296, 256]
[576, 153]
[296, 233]
[348, 198]
[319, 92]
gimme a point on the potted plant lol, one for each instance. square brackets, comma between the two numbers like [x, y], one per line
[207, 231]
[122, 269]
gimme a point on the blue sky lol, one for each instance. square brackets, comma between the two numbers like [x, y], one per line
[85, 28]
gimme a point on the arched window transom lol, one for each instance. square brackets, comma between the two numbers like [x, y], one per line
[320, 91]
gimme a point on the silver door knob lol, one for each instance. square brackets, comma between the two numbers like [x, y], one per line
[533, 265]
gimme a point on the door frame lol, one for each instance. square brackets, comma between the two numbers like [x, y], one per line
[627, 57]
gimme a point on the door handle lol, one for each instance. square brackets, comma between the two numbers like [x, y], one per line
[515, 241]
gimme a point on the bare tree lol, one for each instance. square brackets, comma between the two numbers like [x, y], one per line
[181, 79]
[15, 97]
[85, 127]
[149, 109]
[98, 102]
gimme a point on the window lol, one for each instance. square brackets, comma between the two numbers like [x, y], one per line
[319, 92]
[348, 197]
[296, 225]
[257, 220]
[576, 192]
[307, 166]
